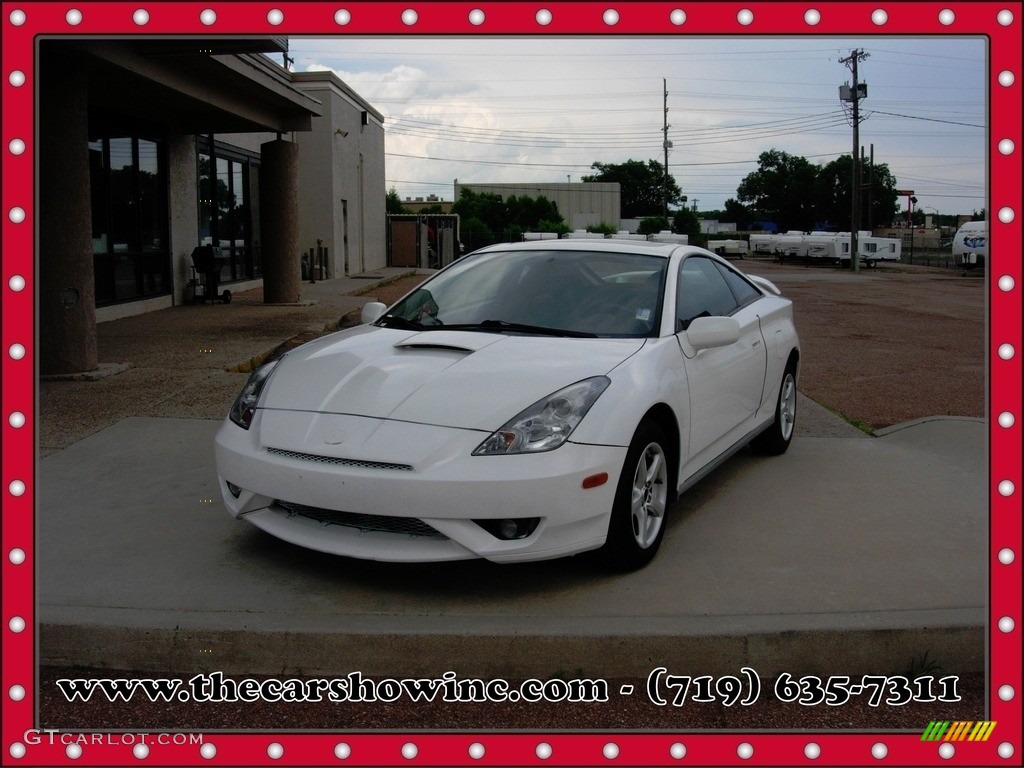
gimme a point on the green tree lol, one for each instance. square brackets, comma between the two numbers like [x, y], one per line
[643, 186]
[393, 203]
[741, 214]
[686, 222]
[783, 189]
[652, 225]
[835, 182]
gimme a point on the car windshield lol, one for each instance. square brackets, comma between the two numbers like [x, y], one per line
[560, 293]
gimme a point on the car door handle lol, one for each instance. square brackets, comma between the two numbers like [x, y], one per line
[756, 343]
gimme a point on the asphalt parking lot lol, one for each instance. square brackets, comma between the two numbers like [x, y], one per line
[850, 552]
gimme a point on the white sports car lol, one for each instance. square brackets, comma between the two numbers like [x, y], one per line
[529, 401]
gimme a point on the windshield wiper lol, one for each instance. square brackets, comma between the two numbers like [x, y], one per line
[397, 321]
[501, 326]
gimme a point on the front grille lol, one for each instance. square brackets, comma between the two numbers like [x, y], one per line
[335, 461]
[407, 526]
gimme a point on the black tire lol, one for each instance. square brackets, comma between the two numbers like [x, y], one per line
[775, 440]
[637, 524]
[226, 297]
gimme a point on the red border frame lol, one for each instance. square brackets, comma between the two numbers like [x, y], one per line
[519, 18]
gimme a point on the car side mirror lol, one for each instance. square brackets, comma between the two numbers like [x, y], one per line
[372, 312]
[706, 332]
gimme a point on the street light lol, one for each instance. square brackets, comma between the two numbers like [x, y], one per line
[913, 202]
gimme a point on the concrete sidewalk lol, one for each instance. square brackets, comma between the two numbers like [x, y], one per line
[846, 554]
[850, 554]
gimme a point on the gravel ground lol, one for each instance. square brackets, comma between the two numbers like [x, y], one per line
[881, 347]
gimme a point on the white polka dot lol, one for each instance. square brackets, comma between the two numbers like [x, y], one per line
[745, 750]
[610, 17]
[409, 17]
[275, 751]
[1006, 146]
[16, 147]
[879, 750]
[17, 556]
[1006, 625]
[73, 17]
[16, 624]
[409, 751]
[678, 17]
[1006, 351]
[342, 751]
[208, 751]
[1006, 283]
[141, 19]
[1005, 750]
[17, 17]
[1006, 692]
[879, 18]
[1006, 556]
[677, 751]
[141, 751]
[1006, 215]
[209, 17]
[342, 17]
[544, 17]
[477, 17]
[73, 751]
[275, 16]
[812, 17]
[476, 750]
[16, 488]
[1006, 78]
[610, 751]
[543, 750]
[1005, 18]
[1006, 420]
[16, 692]
[17, 351]
[16, 78]
[16, 419]
[946, 751]
[1006, 488]
[745, 17]
[16, 215]
[16, 283]
[812, 751]
[18, 750]
[946, 17]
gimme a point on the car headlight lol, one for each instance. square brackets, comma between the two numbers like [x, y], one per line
[546, 424]
[244, 407]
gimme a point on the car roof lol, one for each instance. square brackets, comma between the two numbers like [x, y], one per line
[644, 247]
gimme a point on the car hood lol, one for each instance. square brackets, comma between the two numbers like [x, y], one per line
[446, 378]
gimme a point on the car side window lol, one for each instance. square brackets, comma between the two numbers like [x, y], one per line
[742, 290]
[702, 292]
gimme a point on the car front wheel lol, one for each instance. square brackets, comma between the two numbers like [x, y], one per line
[637, 523]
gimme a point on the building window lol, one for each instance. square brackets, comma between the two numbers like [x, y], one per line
[228, 215]
[128, 184]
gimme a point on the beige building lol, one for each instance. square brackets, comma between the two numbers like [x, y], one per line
[582, 204]
[150, 148]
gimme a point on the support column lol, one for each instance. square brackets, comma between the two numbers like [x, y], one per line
[67, 287]
[279, 221]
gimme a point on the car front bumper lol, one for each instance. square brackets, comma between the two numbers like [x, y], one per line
[416, 489]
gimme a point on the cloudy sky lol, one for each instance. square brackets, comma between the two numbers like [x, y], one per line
[530, 110]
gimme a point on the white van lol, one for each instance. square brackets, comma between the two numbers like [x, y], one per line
[970, 244]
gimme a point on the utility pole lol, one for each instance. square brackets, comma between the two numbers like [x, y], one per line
[667, 144]
[854, 94]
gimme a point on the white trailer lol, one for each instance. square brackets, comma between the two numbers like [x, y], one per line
[761, 243]
[665, 236]
[582, 234]
[728, 247]
[970, 244]
[870, 249]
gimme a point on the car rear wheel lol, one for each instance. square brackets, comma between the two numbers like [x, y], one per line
[775, 440]
[637, 523]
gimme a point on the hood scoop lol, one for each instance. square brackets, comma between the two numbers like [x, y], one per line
[458, 341]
